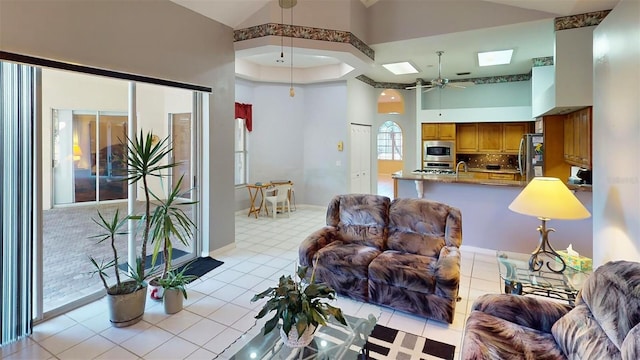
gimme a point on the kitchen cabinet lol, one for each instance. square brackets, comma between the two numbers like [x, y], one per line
[554, 145]
[511, 136]
[577, 138]
[490, 138]
[439, 131]
[478, 175]
[499, 176]
[467, 138]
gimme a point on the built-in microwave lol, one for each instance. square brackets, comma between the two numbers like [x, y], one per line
[438, 151]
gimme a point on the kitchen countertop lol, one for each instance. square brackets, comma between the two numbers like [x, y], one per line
[461, 178]
[467, 178]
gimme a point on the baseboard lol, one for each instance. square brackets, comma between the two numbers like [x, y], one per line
[222, 250]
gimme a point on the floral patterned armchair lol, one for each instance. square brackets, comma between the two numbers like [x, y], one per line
[603, 325]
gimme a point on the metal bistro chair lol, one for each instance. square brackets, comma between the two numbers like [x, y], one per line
[279, 195]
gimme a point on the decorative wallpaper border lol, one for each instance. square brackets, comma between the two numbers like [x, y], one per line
[542, 61]
[477, 81]
[383, 85]
[580, 20]
[303, 32]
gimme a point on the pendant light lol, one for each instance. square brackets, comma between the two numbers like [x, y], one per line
[288, 4]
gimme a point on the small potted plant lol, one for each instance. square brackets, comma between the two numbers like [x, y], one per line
[173, 284]
[299, 306]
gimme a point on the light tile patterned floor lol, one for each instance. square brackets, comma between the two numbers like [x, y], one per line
[218, 310]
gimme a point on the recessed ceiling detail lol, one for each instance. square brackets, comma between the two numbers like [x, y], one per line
[303, 32]
[581, 20]
[477, 81]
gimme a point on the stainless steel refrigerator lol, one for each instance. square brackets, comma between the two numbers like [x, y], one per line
[530, 156]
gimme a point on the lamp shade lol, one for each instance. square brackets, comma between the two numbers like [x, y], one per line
[549, 198]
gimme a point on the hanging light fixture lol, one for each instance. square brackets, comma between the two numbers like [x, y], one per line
[289, 4]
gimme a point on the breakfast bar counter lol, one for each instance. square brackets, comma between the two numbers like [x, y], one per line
[488, 222]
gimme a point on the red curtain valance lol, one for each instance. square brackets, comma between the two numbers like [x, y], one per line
[243, 111]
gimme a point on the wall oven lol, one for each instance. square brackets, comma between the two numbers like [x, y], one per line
[437, 153]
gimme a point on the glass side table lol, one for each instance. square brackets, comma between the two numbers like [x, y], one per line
[334, 341]
[518, 279]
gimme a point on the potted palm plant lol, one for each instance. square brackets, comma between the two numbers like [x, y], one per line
[126, 299]
[299, 307]
[146, 158]
[170, 221]
[174, 283]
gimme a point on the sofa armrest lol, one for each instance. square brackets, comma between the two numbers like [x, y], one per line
[534, 313]
[630, 348]
[316, 241]
[448, 272]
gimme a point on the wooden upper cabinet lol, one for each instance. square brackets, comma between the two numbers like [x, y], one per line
[447, 131]
[439, 131]
[511, 135]
[467, 138]
[490, 137]
[429, 131]
[577, 138]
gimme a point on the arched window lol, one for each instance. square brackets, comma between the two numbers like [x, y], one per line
[389, 141]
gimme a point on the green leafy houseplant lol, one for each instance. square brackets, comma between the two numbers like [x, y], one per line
[112, 229]
[169, 220]
[176, 280]
[145, 159]
[298, 304]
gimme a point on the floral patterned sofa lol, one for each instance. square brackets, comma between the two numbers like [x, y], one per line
[402, 254]
[603, 324]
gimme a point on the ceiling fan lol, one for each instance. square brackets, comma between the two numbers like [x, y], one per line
[440, 82]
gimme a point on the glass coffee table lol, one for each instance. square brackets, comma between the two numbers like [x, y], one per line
[518, 279]
[334, 341]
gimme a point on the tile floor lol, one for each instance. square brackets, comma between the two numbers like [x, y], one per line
[219, 310]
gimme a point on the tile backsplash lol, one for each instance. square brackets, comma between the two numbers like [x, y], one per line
[482, 160]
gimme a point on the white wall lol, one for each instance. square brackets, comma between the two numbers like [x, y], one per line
[296, 138]
[477, 103]
[616, 131]
[158, 39]
[325, 168]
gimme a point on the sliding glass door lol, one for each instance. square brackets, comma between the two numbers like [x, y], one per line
[86, 168]
[90, 160]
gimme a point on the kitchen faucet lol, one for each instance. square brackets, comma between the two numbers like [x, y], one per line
[458, 166]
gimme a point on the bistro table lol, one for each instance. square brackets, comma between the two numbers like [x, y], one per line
[259, 188]
[254, 190]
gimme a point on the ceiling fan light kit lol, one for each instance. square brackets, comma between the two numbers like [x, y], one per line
[440, 82]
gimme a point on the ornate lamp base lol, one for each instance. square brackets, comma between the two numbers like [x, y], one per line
[545, 249]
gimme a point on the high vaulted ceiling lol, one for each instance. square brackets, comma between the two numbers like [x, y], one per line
[451, 27]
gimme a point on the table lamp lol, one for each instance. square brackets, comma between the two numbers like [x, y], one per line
[548, 198]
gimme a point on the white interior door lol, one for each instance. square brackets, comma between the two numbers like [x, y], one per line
[360, 159]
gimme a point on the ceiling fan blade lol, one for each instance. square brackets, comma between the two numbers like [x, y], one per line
[418, 87]
[461, 84]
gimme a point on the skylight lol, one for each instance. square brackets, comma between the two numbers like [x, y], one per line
[491, 58]
[401, 68]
